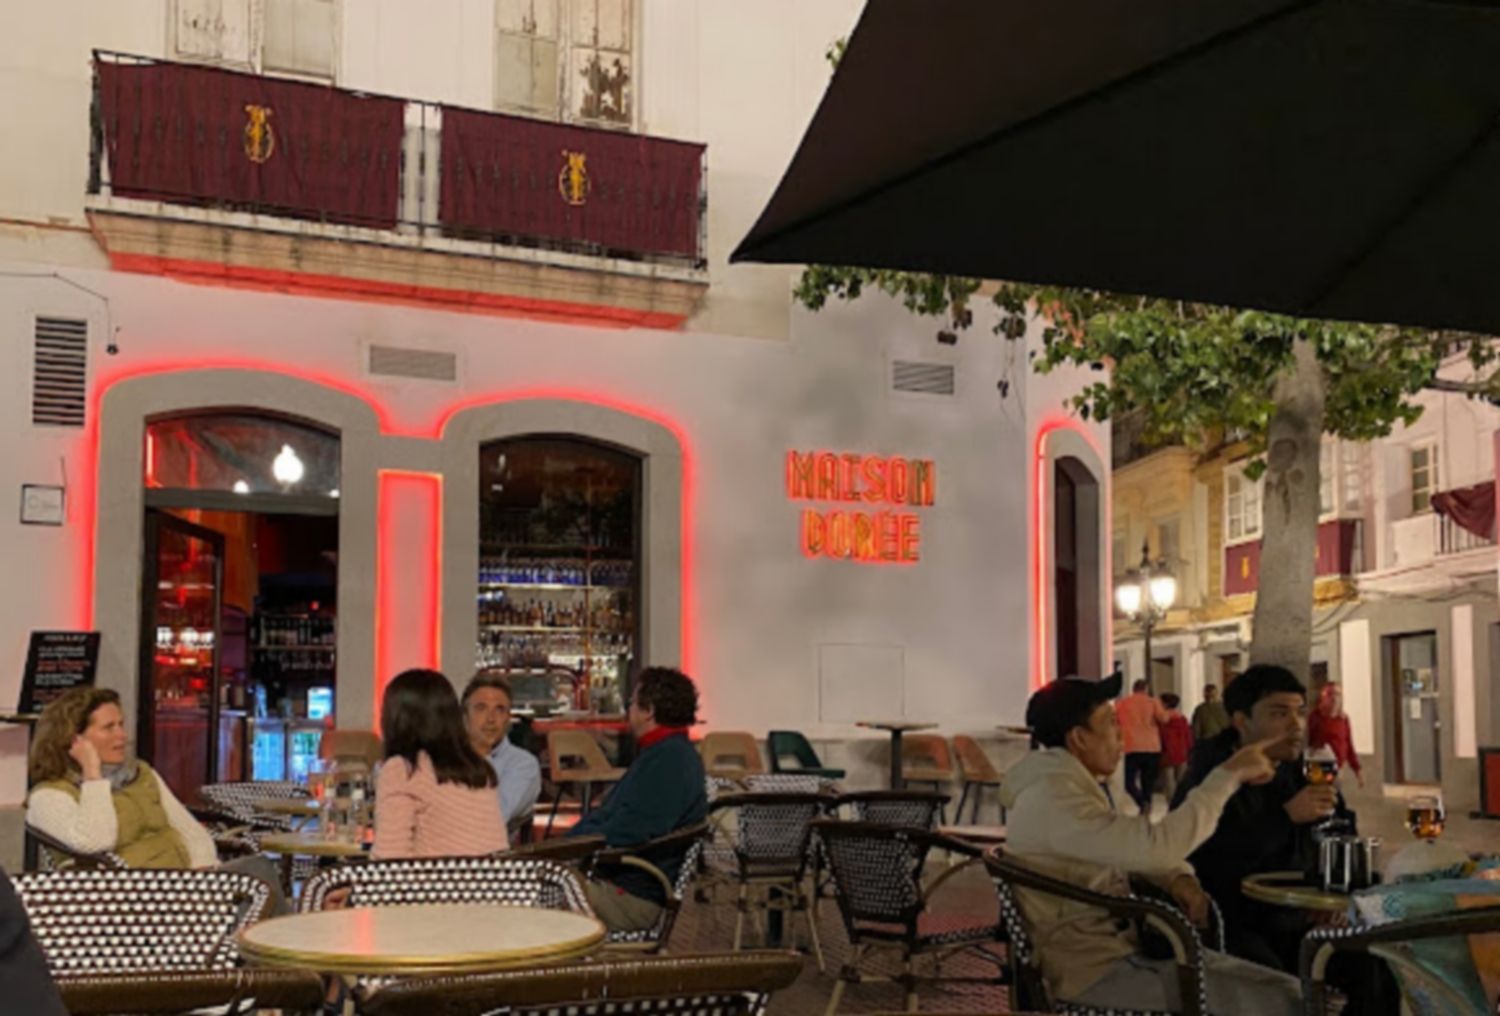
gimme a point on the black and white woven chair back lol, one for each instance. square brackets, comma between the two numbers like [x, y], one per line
[140, 920]
[727, 1004]
[775, 832]
[685, 876]
[519, 882]
[878, 875]
[787, 783]
[912, 813]
[241, 799]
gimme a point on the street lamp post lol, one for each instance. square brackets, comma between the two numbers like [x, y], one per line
[1144, 596]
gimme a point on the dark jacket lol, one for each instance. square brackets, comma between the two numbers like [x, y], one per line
[25, 983]
[1254, 834]
[662, 791]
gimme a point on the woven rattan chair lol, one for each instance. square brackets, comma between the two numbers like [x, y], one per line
[886, 908]
[915, 809]
[519, 881]
[53, 854]
[738, 984]
[234, 816]
[771, 846]
[684, 847]
[978, 774]
[1028, 988]
[731, 754]
[1422, 992]
[155, 941]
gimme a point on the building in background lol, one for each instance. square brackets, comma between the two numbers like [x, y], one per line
[346, 337]
[1405, 614]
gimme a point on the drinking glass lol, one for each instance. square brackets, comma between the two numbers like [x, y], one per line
[1320, 766]
[1425, 816]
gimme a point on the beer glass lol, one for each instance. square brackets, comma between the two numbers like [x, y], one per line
[1425, 816]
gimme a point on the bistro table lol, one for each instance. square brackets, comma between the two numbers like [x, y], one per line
[983, 836]
[307, 844]
[430, 938]
[297, 808]
[896, 728]
[1291, 889]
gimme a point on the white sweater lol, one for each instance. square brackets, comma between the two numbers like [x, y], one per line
[88, 825]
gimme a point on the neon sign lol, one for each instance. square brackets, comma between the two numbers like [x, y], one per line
[880, 531]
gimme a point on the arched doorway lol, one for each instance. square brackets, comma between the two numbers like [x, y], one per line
[1077, 569]
[238, 595]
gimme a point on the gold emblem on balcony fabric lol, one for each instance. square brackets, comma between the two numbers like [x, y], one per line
[573, 178]
[260, 139]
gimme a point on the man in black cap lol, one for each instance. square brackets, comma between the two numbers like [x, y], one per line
[1063, 823]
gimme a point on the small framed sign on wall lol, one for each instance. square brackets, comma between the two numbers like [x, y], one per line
[43, 505]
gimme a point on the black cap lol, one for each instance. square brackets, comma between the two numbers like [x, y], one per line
[1066, 704]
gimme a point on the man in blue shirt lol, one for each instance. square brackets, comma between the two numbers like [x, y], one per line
[486, 704]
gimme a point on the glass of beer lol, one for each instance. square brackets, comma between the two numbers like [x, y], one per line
[1425, 816]
[1320, 766]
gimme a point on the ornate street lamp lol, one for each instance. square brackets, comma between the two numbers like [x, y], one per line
[1145, 595]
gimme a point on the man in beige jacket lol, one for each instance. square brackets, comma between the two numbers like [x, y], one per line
[1063, 823]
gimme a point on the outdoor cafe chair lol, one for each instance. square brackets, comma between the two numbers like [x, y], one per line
[792, 746]
[978, 774]
[687, 844]
[731, 754]
[925, 758]
[155, 940]
[917, 809]
[737, 984]
[1028, 988]
[54, 855]
[887, 909]
[575, 759]
[234, 815]
[770, 846]
[1400, 945]
[518, 881]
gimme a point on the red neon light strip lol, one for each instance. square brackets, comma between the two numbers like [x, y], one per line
[408, 574]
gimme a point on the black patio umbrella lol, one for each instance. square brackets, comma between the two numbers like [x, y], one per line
[1327, 158]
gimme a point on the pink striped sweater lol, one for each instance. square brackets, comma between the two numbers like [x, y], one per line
[416, 816]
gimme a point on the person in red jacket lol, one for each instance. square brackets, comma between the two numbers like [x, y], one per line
[1329, 726]
[1176, 742]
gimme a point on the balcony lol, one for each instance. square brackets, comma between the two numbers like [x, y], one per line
[1339, 551]
[241, 179]
[1422, 539]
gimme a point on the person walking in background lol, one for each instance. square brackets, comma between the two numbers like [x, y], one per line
[1328, 726]
[1176, 743]
[1210, 719]
[1141, 717]
[437, 796]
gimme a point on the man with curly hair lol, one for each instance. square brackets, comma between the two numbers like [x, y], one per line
[661, 792]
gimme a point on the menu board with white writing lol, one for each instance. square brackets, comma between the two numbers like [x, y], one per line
[58, 661]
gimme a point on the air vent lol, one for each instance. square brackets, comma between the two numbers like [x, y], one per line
[423, 364]
[59, 372]
[922, 378]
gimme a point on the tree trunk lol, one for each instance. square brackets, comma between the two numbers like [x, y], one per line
[1289, 518]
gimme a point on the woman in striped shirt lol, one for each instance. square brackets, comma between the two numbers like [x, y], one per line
[435, 795]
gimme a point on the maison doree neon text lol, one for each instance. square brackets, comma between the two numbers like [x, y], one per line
[879, 530]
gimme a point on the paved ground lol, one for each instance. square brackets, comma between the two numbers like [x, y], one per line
[968, 897]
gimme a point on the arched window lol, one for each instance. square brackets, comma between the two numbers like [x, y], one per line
[241, 453]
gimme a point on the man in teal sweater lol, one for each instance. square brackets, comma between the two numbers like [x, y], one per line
[661, 792]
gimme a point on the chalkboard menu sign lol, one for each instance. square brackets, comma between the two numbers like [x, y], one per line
[57, 662]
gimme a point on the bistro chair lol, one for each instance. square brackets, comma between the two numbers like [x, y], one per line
[916, 809]
[886, 909]
[1029, 989]
[53, 855]
[925, 758]
[156, 941]
[517, 881]
[1423, 988]
[730, 754]
[685, 846]
[771, 848]
[978, 774]
[362, 747]
[575, 759]
[736, 984]
[792, 752]
[235, 816]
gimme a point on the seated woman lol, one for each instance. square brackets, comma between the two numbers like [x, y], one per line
[87, 794]
[435, 795]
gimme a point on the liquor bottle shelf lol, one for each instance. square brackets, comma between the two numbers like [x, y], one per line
[549, 585]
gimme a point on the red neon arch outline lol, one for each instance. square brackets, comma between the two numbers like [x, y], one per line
[1040, 598]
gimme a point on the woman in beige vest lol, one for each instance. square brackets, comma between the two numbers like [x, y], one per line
[87, 794]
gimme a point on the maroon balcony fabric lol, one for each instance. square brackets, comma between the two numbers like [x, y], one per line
[188, 135]
[1473, 508]
[513, 178]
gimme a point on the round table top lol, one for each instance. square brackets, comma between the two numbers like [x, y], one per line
[421, 939]
[979, 834]
[311, 844]
[905, 726]
[296, 806]
[1291, 889]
